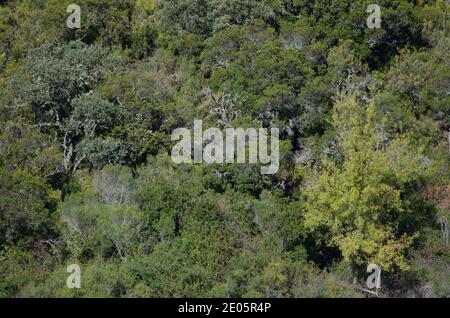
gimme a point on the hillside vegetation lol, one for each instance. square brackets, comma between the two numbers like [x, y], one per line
[86, 118]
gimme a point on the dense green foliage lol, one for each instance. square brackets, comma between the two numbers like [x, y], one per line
[86, 117]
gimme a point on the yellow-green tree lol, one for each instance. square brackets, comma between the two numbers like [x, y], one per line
[359, 206]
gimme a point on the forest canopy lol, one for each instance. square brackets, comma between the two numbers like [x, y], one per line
[87, 114]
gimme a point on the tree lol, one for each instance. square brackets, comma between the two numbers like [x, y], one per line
[91, 115]
[98, 229]
[53, 75]
[24, 217]
[49, 84]
[98, 153]
[204, 17]
[358, 207]
[25, 147]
